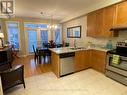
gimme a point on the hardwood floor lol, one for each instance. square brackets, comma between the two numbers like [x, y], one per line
[30, 67]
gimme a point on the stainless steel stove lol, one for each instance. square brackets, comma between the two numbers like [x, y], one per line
[117, 72]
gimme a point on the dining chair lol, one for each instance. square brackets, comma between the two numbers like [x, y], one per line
[46, 45]
[36, 55]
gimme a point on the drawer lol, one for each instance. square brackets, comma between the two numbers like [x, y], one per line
[117, 77]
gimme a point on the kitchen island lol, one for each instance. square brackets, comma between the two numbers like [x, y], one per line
[78, 59]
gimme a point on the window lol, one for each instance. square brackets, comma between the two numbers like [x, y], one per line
[44, 36]
[57, 35]
[13, 34]
[35, 25]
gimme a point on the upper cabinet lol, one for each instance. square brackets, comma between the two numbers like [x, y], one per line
[91, 26]
[95, 23]
[100, 22]
[109, 20]
[122, 13]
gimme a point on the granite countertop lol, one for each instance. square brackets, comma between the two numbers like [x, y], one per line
[71, 49]
[101, 49]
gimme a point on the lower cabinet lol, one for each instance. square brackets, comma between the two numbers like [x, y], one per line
[82, 60]
[90, 58]
[98, 60]
[55, 60]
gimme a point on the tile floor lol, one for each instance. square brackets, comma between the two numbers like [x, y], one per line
[87, 82]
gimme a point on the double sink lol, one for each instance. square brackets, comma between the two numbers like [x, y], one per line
[77, 48]
[84, 48]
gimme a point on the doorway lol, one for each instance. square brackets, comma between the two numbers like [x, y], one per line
[36, 34]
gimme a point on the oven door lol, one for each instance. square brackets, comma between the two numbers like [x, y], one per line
[120, 68]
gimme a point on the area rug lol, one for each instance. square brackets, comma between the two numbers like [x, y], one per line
[87, 82]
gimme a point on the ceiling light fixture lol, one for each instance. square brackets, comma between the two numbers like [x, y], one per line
[51, 24]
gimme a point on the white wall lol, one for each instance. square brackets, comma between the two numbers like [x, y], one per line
[84, 39]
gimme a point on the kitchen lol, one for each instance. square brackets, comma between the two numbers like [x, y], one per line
[109, 25]
[101, 35]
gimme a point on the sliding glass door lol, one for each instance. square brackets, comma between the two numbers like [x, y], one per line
[32, 40]
[37, 34]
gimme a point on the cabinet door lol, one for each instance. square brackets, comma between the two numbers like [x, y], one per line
[91, 24]
[109, 20]
[55, 63]
[86, 59]
[122, 13]
[81, 60]
[98, 60]
[99, 23]
[95, 23]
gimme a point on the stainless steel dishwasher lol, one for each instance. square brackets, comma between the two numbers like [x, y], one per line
[66, 63]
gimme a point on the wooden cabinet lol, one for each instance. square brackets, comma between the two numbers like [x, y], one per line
[82, 60]
[55, 64]
[109, 20]
[90, 58]
[98, 60]
[100, 22]
[122, 13]
[91, 26]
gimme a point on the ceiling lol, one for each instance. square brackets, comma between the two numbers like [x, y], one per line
[58, 9]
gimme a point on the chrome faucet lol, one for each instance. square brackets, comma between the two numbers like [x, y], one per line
[74, 43]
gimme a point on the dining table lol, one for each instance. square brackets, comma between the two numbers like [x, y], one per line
[42, 51]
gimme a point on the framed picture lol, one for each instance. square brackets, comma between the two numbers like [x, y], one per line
[74, 32]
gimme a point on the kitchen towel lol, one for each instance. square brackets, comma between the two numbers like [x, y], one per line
[116, 59]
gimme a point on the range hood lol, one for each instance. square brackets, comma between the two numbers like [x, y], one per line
[119, 27]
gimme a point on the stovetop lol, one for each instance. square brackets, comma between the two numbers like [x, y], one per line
[118, 52]
[112, 51]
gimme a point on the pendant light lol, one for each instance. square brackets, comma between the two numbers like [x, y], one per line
[51, 26]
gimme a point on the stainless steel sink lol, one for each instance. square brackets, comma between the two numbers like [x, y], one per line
[76, 48]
